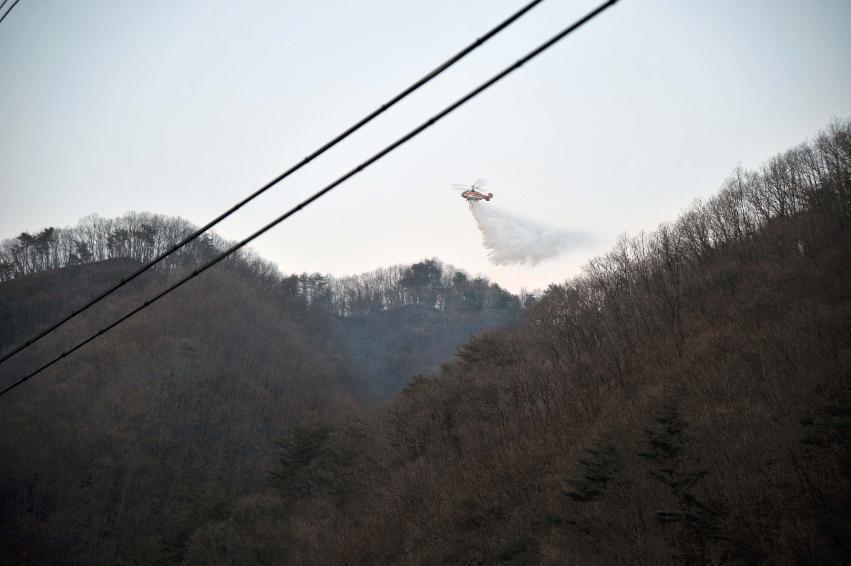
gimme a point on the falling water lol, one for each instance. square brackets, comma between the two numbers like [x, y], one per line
[512, 239]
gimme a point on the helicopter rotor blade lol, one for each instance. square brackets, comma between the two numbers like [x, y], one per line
[480, 182]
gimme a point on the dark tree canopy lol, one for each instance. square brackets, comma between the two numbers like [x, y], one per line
[684, 400]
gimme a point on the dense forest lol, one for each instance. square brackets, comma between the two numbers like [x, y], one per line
[391, 323]
[159, 423]
[684, 400]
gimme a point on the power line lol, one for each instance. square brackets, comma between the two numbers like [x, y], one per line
[431, 75]
[319, 194]
[12, 7]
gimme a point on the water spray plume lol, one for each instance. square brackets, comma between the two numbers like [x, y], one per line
[512, 239]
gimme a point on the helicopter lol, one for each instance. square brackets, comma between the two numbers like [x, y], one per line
[472, 192]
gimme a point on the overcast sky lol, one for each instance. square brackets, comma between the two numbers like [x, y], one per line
[183, 108]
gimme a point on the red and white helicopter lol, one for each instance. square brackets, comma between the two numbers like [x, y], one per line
[473, 192]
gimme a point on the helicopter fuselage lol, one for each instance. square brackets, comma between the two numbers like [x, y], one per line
[474, 195]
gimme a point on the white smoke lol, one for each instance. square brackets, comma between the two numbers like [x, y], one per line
[512, 239]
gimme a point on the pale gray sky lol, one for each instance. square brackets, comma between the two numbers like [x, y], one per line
[183, 108]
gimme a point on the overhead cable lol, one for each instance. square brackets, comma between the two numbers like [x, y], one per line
[3, 17]
[383, 108]
[328, 188]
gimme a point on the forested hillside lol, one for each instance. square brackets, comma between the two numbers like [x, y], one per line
[120, 452]
[403, 321]
[685, 400]
[394, 322]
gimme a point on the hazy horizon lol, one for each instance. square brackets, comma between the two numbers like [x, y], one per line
[182, 110]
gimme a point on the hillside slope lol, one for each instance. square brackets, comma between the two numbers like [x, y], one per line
[120, 451]
[687, 400]
[112, 453]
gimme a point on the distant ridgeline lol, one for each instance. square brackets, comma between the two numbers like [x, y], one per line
[143, 236]
[397, 321]
[137, 236]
